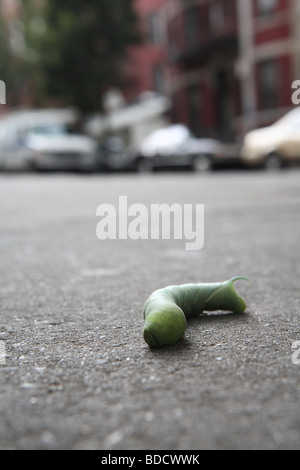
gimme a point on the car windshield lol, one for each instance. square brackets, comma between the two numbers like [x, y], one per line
[173, 135]
[49, 129]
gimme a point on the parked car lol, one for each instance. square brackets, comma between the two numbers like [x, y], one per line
[54, 148]
[175, 146]
[14, 155]
[41, 139]
[274, 146]
[114, 155]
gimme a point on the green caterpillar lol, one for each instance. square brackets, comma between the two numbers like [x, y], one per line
[166, 310]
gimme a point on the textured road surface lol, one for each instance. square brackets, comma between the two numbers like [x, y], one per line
[77, 373]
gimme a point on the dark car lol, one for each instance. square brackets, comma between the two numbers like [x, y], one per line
[175, 146]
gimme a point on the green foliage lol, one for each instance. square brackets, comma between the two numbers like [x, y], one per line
[4, 49]
[12, 68]
[80, 48]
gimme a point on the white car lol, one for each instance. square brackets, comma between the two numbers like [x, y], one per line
[53, 148]
[276, 145]
[175, 146]
[40, 139]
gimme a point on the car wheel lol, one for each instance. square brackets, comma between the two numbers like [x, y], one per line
[145, 166]
[273, 162]
[32, 165]
[202, 163]
[90, 168]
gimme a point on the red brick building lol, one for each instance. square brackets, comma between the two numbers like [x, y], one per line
[269, 59]
[9, 9]
[146, 63]
[227, 65]
[203, 49]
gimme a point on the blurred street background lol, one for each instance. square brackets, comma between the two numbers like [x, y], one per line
[85, 88]
[161, 101]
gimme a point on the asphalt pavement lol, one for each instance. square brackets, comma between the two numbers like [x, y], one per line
[75, 372]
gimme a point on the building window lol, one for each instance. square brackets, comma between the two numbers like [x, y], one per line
[266, 7]
[158, 79]
[223, 101]
[191, 27]
[194, 108]
[155, 31]
[268, 84]
[174, 38]
[216, 17]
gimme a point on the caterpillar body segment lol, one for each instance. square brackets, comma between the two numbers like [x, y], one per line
[166, 310]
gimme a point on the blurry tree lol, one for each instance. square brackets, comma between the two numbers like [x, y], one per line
[4, 50]
[78, 47]
[13, 69]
